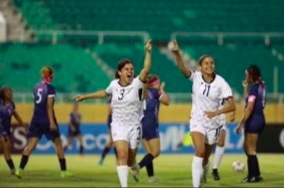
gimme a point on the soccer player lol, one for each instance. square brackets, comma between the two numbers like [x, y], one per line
[74, 128]
[8, 110]
[253, 120]
[220, 145]
[150, 126]
[126, 104]
[43, 122]
[207, 90]
[109, 142]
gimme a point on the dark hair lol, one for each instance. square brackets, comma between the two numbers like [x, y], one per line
[2, 92]
[120, 66]
[203, 57]
[46, 71]
[255, 74]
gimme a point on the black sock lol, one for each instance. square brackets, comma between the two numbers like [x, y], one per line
[148, 158]
[214, 170]
[10, 164]
[115, 152]
[62, 163]
[81, 150]
[251, 166]
[105, 152]
[150, 169]
[24, 161]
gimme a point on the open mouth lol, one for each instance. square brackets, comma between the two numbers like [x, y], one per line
[129, 75]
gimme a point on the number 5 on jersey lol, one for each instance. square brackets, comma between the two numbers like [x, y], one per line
[39, 95]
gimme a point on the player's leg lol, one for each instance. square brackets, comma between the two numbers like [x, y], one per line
[154, 145]
[80, 140]
[122, 168]
[7, 153]
[69, 141]
[206, 162]
[219, 152]
[107, 148]
[252, 161]
[32, 142]
[199, 145]
[149, 167]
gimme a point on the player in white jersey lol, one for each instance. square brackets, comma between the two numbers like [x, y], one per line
[207, 90]
[127, 96]
[220, 145]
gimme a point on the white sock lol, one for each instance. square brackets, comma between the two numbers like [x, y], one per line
[197, 171]
[122, 172]
[219, 152]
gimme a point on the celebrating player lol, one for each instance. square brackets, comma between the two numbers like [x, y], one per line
[43, 122]
[220, 145]
[207, 90]
[126, 104]
[8, 110]
[74, 128]
[253, 120]
[150, 126]
[109, 143]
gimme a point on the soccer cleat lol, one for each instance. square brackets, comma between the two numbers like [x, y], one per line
[253, 179]
[215, 175]
[66, 174]
[135, 172]
[19, 173]
[153, 180]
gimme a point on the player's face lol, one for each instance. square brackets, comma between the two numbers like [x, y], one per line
[8, 94]
[127, 73]
[207, 66]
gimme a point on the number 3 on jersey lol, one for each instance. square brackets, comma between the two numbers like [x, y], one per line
[121, 94]
[39, 95]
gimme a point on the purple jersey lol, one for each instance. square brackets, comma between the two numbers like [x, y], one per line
[42, 91]
[10, 108]
[75, 119]
[152, 105]
[257, 94]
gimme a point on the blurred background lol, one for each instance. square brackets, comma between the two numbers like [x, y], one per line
[84, 40]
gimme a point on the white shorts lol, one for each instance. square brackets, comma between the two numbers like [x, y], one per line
[211, 135]
[132, 135]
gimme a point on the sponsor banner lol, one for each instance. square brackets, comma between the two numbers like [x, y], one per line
[271, 140]
[95, 136]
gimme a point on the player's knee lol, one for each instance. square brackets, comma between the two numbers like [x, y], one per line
[122, 155]
[199, 153]
[221, 143]
[155, 153]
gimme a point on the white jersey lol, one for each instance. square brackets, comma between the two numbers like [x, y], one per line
[126, 102]
[222, 117]
[207, 97]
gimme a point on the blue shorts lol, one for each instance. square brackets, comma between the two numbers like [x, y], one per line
[38, 129]
[255, 126]
[109, 120]
[75, 133]
[150, 129]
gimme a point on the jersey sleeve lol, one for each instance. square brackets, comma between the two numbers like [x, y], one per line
[252, 94]
[50, 91]
[193, 75]
[157, 94]
[138, 82]
[108, 90]
[226, 90]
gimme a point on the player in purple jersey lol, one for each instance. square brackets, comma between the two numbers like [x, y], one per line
[253, 120]
[8, 110]
[74, 122]
[109, 142]
[155, 95]
[43, 122]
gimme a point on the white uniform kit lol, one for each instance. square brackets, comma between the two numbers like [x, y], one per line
[206, 97]
[126, 104]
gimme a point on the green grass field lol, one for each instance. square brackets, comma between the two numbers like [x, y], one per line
[171, 170]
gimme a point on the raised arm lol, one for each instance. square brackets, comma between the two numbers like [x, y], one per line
[147, 62]
[185, 71]
[164, 98]
[95, 95]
